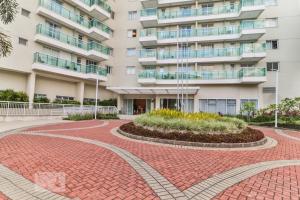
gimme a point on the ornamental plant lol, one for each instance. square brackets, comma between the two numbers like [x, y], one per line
[199, 123]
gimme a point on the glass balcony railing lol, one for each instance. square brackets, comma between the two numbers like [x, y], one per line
[147, 53]
[203, 53]
[189, 12]
[205, 75]
[213, 31]
[68, 65]
[62, 11]
[100, 3]
[50, 32]
[148, 12]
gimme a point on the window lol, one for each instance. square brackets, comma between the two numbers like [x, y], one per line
[272, 44]
[131, 52]
[270, 2]
[51, 51]
[25, 12]
[23, 41]
[243, 101]
[223, 106]
[40, 96]
[132, 33]
[269, 90]
[108, 69]
[271, 22]
[132, 15]
[130, 70]
[272, 66]
[65, 98]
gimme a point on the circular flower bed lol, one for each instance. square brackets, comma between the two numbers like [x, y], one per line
[194, 127]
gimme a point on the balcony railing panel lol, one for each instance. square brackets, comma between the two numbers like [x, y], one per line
[182, 13]
[205, 75]
[68, 65]
[62, 11]
[50, 32]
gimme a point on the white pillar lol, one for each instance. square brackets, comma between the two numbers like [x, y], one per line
[31, 86]
[119, 102]
[80, 92]
[196, 103]
[157, 102]
[277, 98]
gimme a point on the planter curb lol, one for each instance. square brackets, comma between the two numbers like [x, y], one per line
[195, 144]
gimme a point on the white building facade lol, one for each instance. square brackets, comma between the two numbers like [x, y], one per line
[207, 55]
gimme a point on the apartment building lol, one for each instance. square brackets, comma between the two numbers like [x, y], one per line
[218, 54]
[199, 55]
[60, 49]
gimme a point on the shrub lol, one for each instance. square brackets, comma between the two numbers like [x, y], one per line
[10, 95]
[60, 101]
[166, 113]
[80, 117]
[198, 122]
[41, 100]
[90, 116]
[108, 102]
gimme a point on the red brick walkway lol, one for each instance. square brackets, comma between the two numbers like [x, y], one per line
[94, 170]
[3, 197]
[277, 184]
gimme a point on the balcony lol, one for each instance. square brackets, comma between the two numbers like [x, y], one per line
[247, 30]
[242, 76]
[247, 9]
[60, 66]
[92, 50]
[165, 3]
[96, 8]
[93, 28]
[161, 3]
[245, 53]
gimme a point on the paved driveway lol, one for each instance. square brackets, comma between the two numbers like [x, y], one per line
[88, 160]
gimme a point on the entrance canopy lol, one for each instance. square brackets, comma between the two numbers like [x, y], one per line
[153, 90]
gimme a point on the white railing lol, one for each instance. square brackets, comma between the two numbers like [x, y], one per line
[9, 108]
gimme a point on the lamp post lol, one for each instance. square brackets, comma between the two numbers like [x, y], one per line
[96, 101]
[276, 98]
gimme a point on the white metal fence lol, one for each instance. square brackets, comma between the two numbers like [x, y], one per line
[8, 108]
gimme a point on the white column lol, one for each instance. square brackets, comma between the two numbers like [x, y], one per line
[196, 103]
[157, 102]
[80, 92]
[119, 102]
[31, 86]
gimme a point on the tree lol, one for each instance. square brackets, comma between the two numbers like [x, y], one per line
[249, 109]
[8, 11]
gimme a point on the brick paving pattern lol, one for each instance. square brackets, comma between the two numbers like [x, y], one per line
[276, 184]
[3, 197]
[96, 170]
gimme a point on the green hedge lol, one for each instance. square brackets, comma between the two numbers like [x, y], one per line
[90, 116]
[108, 102]
[41, 100]
[59, 101]
[10, 95]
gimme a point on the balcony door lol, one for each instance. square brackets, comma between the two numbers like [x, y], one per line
[53, 30]
[207, 9]
[185, 11]
[185, 31]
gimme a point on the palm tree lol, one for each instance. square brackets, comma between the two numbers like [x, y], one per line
[8, 11]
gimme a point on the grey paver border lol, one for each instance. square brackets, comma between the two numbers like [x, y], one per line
[195, 144]
[204, 190]
[16, 187]
[280, 132]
